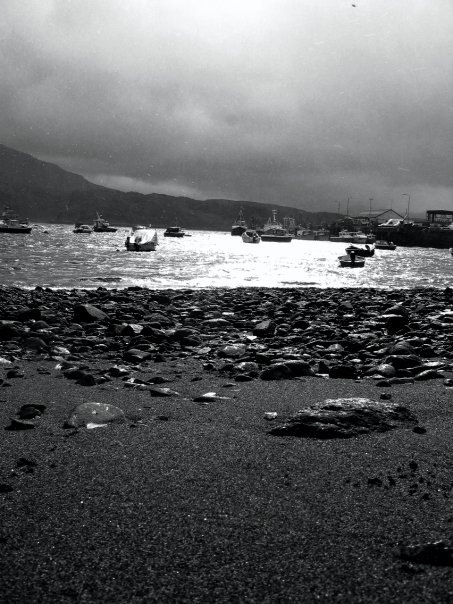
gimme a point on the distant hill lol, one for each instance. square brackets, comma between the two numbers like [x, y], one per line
[44, 192]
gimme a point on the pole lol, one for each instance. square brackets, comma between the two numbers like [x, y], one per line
[408, 195]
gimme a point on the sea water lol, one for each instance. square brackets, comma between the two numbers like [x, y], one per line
[53, 256]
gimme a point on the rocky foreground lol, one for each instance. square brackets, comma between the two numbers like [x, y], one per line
[251, 445]
[245, 333]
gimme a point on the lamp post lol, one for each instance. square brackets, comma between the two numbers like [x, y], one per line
[408, 203]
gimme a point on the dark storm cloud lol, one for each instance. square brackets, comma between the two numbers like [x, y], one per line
[293, 102]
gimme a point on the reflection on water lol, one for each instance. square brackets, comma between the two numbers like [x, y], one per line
[54, 256]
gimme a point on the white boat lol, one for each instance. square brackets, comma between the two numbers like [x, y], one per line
[346, 236]
[384, 245]
[82, 228]
[313, 234]
[10, 223]
[175, 231]
[101, 225]
[273, 230]
[250, 236]
[141, 239]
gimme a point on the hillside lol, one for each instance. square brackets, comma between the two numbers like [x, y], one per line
[44, 192]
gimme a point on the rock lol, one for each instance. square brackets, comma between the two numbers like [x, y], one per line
[162, 392]
[429, 374]
[277, 371]
[134, 355]
[232, 351]
[30, 411]
[402, 347]
[299, 368]
[35, 343]
[87, 313]
[403, 361]
[94, 413]
[345, 418]
[265, 328]
[348, 372]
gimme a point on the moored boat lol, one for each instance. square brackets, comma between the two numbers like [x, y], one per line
[345, 236]
[273, 230]
[384, 245]
[239, 226]
[141, 239]
[174, 231]
[10, 223]
[366, 251]
[101, 225]
[250, 236]
[82, 228]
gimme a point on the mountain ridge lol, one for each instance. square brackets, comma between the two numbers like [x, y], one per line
[45, 192]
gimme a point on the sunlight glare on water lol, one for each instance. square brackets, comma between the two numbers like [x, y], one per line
[54, 256]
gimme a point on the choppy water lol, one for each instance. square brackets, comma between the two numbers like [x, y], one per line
[53, 256]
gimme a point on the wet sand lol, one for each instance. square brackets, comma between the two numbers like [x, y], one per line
[192, 501]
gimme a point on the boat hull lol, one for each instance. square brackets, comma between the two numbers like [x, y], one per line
[23, 230]
[281, 238]
[348, 262]
[135, 247]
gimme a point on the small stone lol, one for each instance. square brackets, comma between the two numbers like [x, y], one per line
[419, 430]
[94, 413]
[162, 392]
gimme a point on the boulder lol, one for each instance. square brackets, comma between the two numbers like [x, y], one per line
[345, 418]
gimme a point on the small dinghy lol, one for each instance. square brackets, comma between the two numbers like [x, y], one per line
[350, 261]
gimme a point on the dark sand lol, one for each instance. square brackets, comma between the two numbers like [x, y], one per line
[197, 502]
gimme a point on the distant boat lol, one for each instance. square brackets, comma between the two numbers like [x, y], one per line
[366, 251]
[346, 236]
[175, 231]
[239, 226]
[250, 236]
[313, 234]
[273, 230]
[141, 239]
[350, 261]
[82, 228]
[384, 245]
[10, 223]
[102, 226]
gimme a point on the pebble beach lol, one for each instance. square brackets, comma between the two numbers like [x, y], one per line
[226, 445]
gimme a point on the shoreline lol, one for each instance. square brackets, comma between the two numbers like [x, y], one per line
[191, 497]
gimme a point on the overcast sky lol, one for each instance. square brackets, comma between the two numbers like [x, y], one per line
[297, 102]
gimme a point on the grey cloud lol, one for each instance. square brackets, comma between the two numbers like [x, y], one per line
[284, 101]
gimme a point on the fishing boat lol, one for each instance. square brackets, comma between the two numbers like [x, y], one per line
[141, 239]
[345, 236]
[101, 225]
[174, 231]
[313, 234]
[366, 251]
[250, 236]
[273, 230]
[384, 245]
[239, 226]
[350, 261]
[10, 223]
[82, 228]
